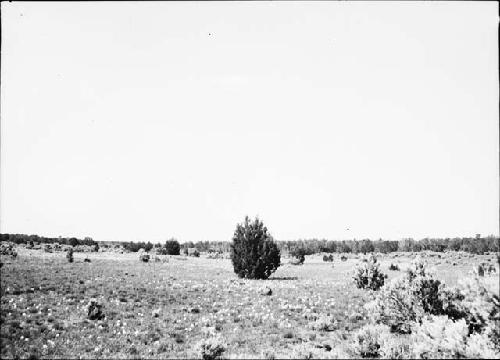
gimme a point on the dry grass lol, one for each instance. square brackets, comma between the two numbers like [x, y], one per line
[163, 309]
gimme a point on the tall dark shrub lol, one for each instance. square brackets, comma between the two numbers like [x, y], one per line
[69, 255]
[172, 247]
[254, 253]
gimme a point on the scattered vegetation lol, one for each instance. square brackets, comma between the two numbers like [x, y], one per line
[312, 311]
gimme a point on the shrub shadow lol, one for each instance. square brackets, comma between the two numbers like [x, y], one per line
[284, 278]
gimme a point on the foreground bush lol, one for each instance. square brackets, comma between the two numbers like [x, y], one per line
[463, 321]
[441, 337]
[367, 274]
[368, 341]
[407, 299]
[211, 348]
[254, 254]
[478, 306]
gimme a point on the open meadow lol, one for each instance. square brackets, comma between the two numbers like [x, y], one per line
[165, 308]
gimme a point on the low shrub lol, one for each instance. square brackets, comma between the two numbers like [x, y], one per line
[367, 275]
[479, 270]
[439, 337]
[395, 347]
[343, 258]
[328, 258]
[394, 267]
[480, 307]
[323, 323]
[144, 257]
[193, 252]
[480, 346]
[298, 255]
[211, 348]
[407, 299]
[367, 341]
[94, 310]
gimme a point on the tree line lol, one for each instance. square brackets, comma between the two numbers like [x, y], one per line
[475, 245]
[25, 239]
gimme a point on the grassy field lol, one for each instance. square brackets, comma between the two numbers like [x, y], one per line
[163, 309]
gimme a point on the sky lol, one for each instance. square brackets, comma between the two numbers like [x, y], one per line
[144, 121]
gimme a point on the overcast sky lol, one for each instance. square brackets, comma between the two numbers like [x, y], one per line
[340, 120]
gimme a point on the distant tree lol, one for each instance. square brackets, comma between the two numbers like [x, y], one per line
[254, 253]
[366, 246]
[172, 247]
[299, 253]
[69, 255]
[73, 242]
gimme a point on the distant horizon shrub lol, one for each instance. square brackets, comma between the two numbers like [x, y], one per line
[254, 254]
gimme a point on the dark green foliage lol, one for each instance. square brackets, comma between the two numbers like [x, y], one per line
[172, 247]
[394, 267]
[299, 254]
[328, 258]
[135, 246]
[254, 253]
[69, 255]
[475, 245]
[367, 274]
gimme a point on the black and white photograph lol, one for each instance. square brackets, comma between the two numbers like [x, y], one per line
[249, 180]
